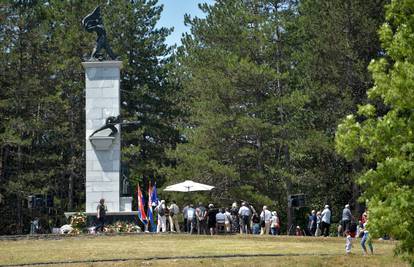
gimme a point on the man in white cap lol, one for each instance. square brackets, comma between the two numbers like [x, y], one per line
[346, 218]
[326, 221]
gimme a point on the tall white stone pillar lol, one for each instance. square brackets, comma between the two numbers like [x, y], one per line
[103, 151]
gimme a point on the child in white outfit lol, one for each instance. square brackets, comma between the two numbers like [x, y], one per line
[348, 244]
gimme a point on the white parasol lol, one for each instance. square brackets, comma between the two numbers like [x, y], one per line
[188, 186]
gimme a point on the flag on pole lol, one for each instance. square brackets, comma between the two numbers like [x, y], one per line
[154, 196]
[150, 214]
[141, 212]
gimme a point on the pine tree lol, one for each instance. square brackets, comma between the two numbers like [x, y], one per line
[337, 40]
[235, 75]
[147, 94]
[30, 129]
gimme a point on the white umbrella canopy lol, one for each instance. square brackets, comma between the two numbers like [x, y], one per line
[188, 186]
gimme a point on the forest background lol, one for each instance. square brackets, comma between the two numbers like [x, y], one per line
[250, 102]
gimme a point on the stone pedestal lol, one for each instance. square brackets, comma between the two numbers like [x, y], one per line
[103, 153]
[126, 204]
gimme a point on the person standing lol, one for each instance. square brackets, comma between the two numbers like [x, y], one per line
[211, 214]
[244, 214]
[185, 217]
[234, 211]
[256, 224]
[162, 219]
[100, 215]
[346, 218]
[265, 217]
[174, 211]
[220, 221]
[201, 215]
[227, 221]
[366, 239]
[274, 224]
[318, 224]
[326, 221]
[191, 217]
[314, 223]
[348, 244]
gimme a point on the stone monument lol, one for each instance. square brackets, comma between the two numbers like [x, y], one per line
[103, 150]
[103, 131]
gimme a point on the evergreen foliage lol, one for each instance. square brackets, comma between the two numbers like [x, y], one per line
[381, 132]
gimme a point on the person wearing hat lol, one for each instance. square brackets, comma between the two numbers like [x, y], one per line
[326, 221]
[346, 218]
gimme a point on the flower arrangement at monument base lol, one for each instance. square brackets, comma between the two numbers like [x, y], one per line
[78, 222]
[122, 227]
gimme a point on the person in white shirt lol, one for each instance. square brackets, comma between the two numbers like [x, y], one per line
[220, 220]
[265, 218]
[326, 221]
[244, 214]
[162, 219]
[191, 219]
[227, 220]
[348, 244]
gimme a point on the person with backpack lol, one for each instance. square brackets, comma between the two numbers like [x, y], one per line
[174, 211]
[201, 216]
[162, 219]
[244, 215]
[265, 220]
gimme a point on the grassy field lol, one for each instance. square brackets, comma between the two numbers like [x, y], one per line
[174, 250]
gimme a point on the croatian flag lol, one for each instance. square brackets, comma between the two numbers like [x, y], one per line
[141, 212]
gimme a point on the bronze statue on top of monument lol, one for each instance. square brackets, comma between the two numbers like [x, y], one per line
[93, 23]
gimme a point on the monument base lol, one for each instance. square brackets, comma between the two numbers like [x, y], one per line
[111, 217]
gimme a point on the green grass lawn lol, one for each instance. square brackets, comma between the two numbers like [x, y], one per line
[133, 250]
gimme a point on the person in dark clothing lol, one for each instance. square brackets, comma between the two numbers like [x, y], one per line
[313, 223]
[201, 215]
[211, 214]
[346, 218]
[100, 215]
[256, 223]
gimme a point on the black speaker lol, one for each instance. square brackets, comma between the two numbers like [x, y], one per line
[39, 201]
[297, 201]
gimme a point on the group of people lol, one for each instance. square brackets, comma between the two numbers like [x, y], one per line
[212, 220]
[320, 222]
[360, 231]
[245, 219]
